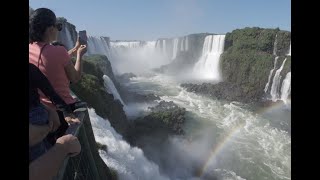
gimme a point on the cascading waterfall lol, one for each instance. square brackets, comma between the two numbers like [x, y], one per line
[69, 39]
[208, 65]
[286, 88]
[124, 44]
[184, 44]
[175, 48]
[275, 46]
[65, 38]
[270, 75]
[108, 84]
[136, 57]
[161, 47]
[276, 82]
[98, 46]
[289, 53]
[164, 48]
[129, 162]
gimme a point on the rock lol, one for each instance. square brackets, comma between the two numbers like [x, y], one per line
[123, 78]
[165, 119]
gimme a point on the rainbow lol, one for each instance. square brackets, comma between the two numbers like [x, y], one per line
[224, 141]
[217, 148]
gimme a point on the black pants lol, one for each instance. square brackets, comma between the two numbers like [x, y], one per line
[52, 137]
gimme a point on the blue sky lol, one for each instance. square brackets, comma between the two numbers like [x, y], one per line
[152, 19]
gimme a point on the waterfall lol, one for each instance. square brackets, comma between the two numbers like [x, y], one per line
[65, 38]
[164, 47]
[69, 39]
[276, 82]
[182, 44]
[129, 162]
[126, 44]
[108, 84]
[270, 75]
[208, 65]
[286, 88]
[275, 46]
[175, 48]
[186, 44]
[98, 46]
[289, 52]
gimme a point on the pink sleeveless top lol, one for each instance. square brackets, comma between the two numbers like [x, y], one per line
[54, 60]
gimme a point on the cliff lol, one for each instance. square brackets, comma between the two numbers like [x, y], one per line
[246, 62]
[184, 59]
[91, 89]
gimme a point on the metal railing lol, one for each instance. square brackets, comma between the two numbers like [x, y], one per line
[87, 165]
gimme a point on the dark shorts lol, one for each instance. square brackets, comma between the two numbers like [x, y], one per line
[38, 115]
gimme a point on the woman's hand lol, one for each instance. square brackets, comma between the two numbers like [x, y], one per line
[71, 118]
[70, 144]
[82, 49]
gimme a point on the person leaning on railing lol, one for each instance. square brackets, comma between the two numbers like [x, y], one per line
[40, 114]
[46, 166]
[54, 61]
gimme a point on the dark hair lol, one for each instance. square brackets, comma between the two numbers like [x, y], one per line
[57, 43]
[39, 21]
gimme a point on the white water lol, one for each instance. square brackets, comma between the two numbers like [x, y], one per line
[270, 74]
[164, 47]
[175, 48]
[184, 43]
[65, 38]
[276, 82]
[289, 53]
[124, 44]
[111, 88]
[208, 65]
[256, 150]
[286, 88]
[129, 162]
[98, 46]
[275, 46]
[136, 57]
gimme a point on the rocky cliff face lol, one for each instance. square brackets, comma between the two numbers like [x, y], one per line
[187, 52]
[91, 89]
[165, 119]
[246, 63]
[68, 35]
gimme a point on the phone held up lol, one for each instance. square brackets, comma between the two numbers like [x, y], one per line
[83, 37]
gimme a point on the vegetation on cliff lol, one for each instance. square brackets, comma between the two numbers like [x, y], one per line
[246, 63]
[165, 119]
[91, 89]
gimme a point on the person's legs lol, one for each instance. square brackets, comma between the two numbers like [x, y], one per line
[38, 116]
[52, 137]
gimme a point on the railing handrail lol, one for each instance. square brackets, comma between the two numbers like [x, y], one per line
[73, 129]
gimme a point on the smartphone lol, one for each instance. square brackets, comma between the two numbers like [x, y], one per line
[83, 37]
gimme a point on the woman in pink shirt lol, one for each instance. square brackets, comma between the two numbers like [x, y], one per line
[53, 61]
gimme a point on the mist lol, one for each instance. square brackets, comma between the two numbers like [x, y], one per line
[136, 57]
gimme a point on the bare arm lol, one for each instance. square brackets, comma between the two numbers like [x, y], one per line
[74, 71]
[48, 165]
[72, 51]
